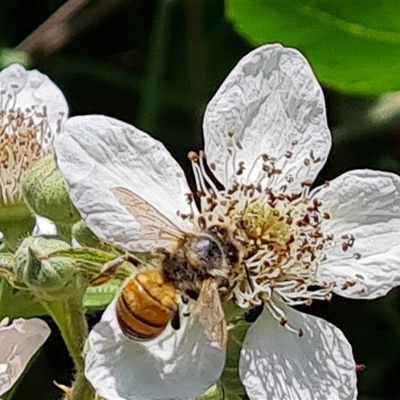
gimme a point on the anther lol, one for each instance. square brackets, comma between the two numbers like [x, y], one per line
[306, 183]
[189, 197]
[202, 223]
[193, 157]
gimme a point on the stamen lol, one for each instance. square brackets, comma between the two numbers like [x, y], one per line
[25, 136]
[280, 316]
[205, 175]
[198, 177]
[280, 234]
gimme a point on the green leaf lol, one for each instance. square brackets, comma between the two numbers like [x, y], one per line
[352, 46]
[18, 304]
[85, 254]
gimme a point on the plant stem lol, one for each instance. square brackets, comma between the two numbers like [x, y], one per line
[70, 318]
[82, 388]
[64, 231]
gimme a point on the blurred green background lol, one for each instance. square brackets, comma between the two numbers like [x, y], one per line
[155, 64]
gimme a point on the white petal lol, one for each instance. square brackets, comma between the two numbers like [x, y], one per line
[22, 89]
[270, 101]
[19, 342]
[44, 227]
[178, 364]
[365, 204]
[97, 153]
[277, 364]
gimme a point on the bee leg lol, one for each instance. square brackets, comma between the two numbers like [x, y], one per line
[111, 268]
[108, 271]
[176, 320]
[161, 251]
[132, 259]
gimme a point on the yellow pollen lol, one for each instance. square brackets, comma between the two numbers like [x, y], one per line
[261, 225]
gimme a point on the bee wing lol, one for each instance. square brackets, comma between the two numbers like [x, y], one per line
[211, 314]
[155, 226]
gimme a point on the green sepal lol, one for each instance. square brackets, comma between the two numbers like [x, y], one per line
[93, 261]
[97, 298]
[16, 222]
[86, 238]
[6, 260]
[213, 393]
[47, 193]
[85, 254]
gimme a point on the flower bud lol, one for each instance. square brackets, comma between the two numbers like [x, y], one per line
[46, 192]
[49, 277]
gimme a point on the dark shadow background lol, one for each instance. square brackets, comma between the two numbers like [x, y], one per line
[155, 65]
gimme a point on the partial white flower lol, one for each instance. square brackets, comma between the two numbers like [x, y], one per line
[266, 139]
[180, 362]
[18, 344]
[32, 111]
[44, 227]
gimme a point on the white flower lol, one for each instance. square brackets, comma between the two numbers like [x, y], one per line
[18, 344]
[32, 110]
[266, 139]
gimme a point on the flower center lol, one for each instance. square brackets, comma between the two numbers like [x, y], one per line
[23, 139]
[280, 235]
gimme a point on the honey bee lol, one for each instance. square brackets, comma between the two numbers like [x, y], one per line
[194, 266]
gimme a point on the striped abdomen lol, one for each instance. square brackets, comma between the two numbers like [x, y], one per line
[146, 305]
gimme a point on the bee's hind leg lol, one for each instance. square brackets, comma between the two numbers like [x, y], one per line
[111, 268]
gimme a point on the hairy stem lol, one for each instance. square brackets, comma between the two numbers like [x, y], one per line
[70, 318]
